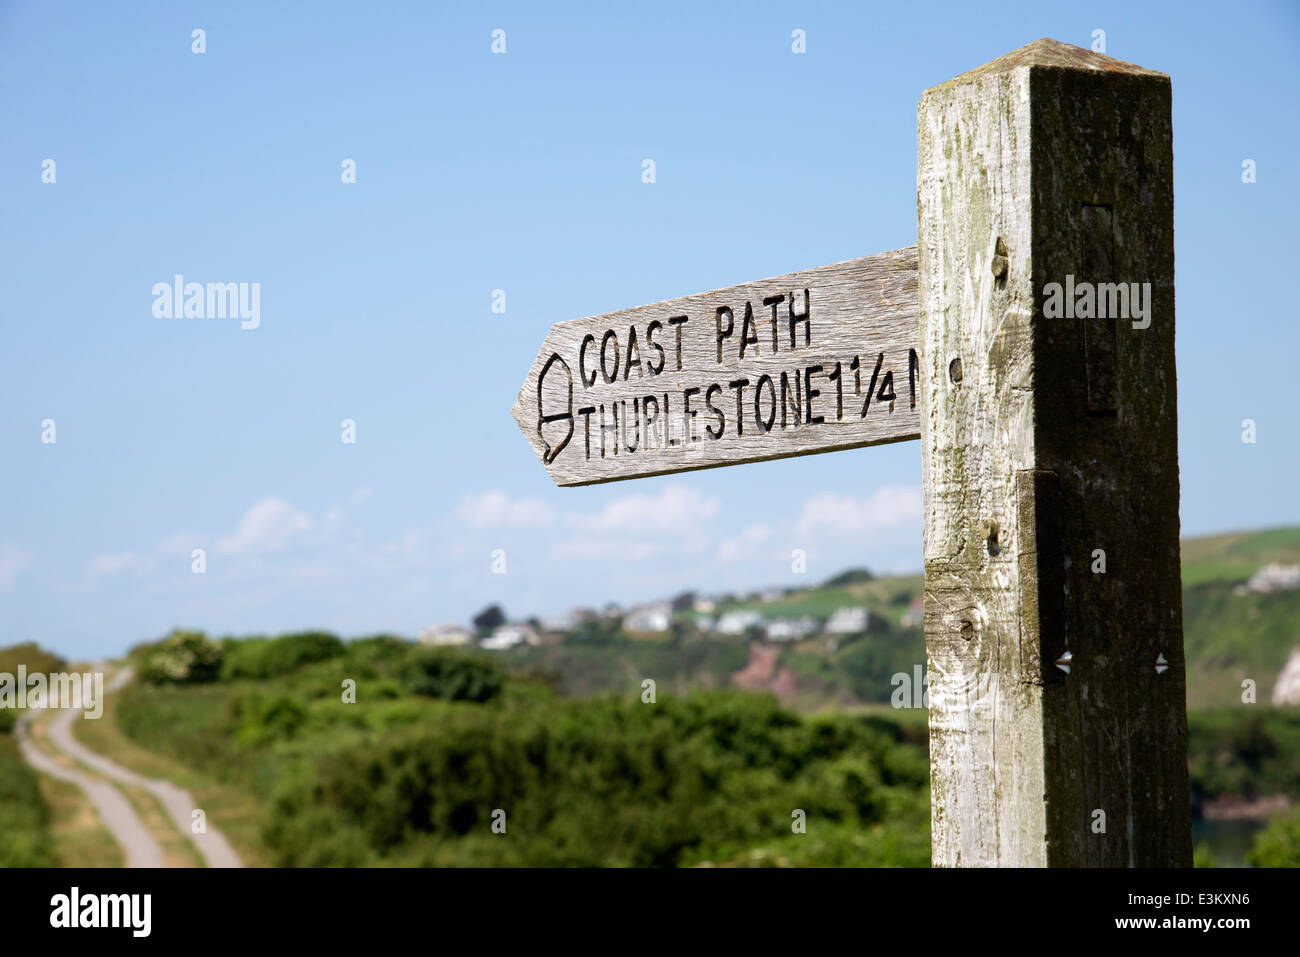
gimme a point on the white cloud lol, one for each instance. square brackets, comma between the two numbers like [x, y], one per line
[678, 508]
[359, 496]
[12, 562]
[408, 544]
[113, 563]
[182, 543]
[842, 515]
[635, 528]
[333, 518]
[585, 548]
[731, 549]
[270, 524]
[497, 509]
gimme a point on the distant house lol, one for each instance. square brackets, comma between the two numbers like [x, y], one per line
[705, 623]
[649, 619]
[559, 623]
[1274, 577]
[847, 621]
[507, 636]
[555, 628]
[738, 622]
[914, 617]
[704, 606]
[446, 635]
[790, 629]
[1286, 690]
[773, 594]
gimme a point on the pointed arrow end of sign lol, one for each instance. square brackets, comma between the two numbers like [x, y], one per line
[542, 410]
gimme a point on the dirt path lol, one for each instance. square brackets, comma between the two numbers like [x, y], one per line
[115, 811]
[127, 828]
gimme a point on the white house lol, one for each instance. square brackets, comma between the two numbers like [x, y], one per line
[1275, 577]
[559, 623]
[446, 635]
[507, 636]
[1286, 690]
[649, 618]
[847, 621]
[790, 629]
[914, 617]
[738, 622]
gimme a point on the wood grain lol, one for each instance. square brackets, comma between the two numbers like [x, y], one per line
[677, 393]
[1058, 442]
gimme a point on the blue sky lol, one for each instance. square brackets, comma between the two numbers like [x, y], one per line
[520, 172]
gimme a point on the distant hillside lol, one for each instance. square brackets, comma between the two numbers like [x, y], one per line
[1236, 556]
[1231, 633]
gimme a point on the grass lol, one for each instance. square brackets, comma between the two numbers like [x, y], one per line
[1230, 637]
[80, 839]
[25, 817]
[1234, 557]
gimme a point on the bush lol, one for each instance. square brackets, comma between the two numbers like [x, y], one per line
[452, 676]
[604, 782]
[1278, 845]
[33, 656]
[853, 576]
[1251, 753]
[25, 839]
[260, 658]
[183, 657]
[260, 719]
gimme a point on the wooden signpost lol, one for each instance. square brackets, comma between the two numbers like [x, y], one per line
[814, 361]
[1053, 605]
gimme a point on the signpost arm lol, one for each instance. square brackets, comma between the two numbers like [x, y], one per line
[1049, 450]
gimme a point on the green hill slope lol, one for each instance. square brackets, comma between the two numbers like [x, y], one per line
[1231, 634]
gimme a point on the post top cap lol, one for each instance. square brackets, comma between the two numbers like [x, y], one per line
[1057, 55]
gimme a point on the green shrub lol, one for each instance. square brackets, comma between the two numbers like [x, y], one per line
[1203, 856]
[852, 576]
[453, 676]
[25, 839]
[260, 658]
[183, 657]
[1278, 845]
[260, 718]
[1248, 751]
[603, 782]
[33, 656]
[441, 739]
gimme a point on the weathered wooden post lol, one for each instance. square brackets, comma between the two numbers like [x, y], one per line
[1053, 607]
[1042, 387]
